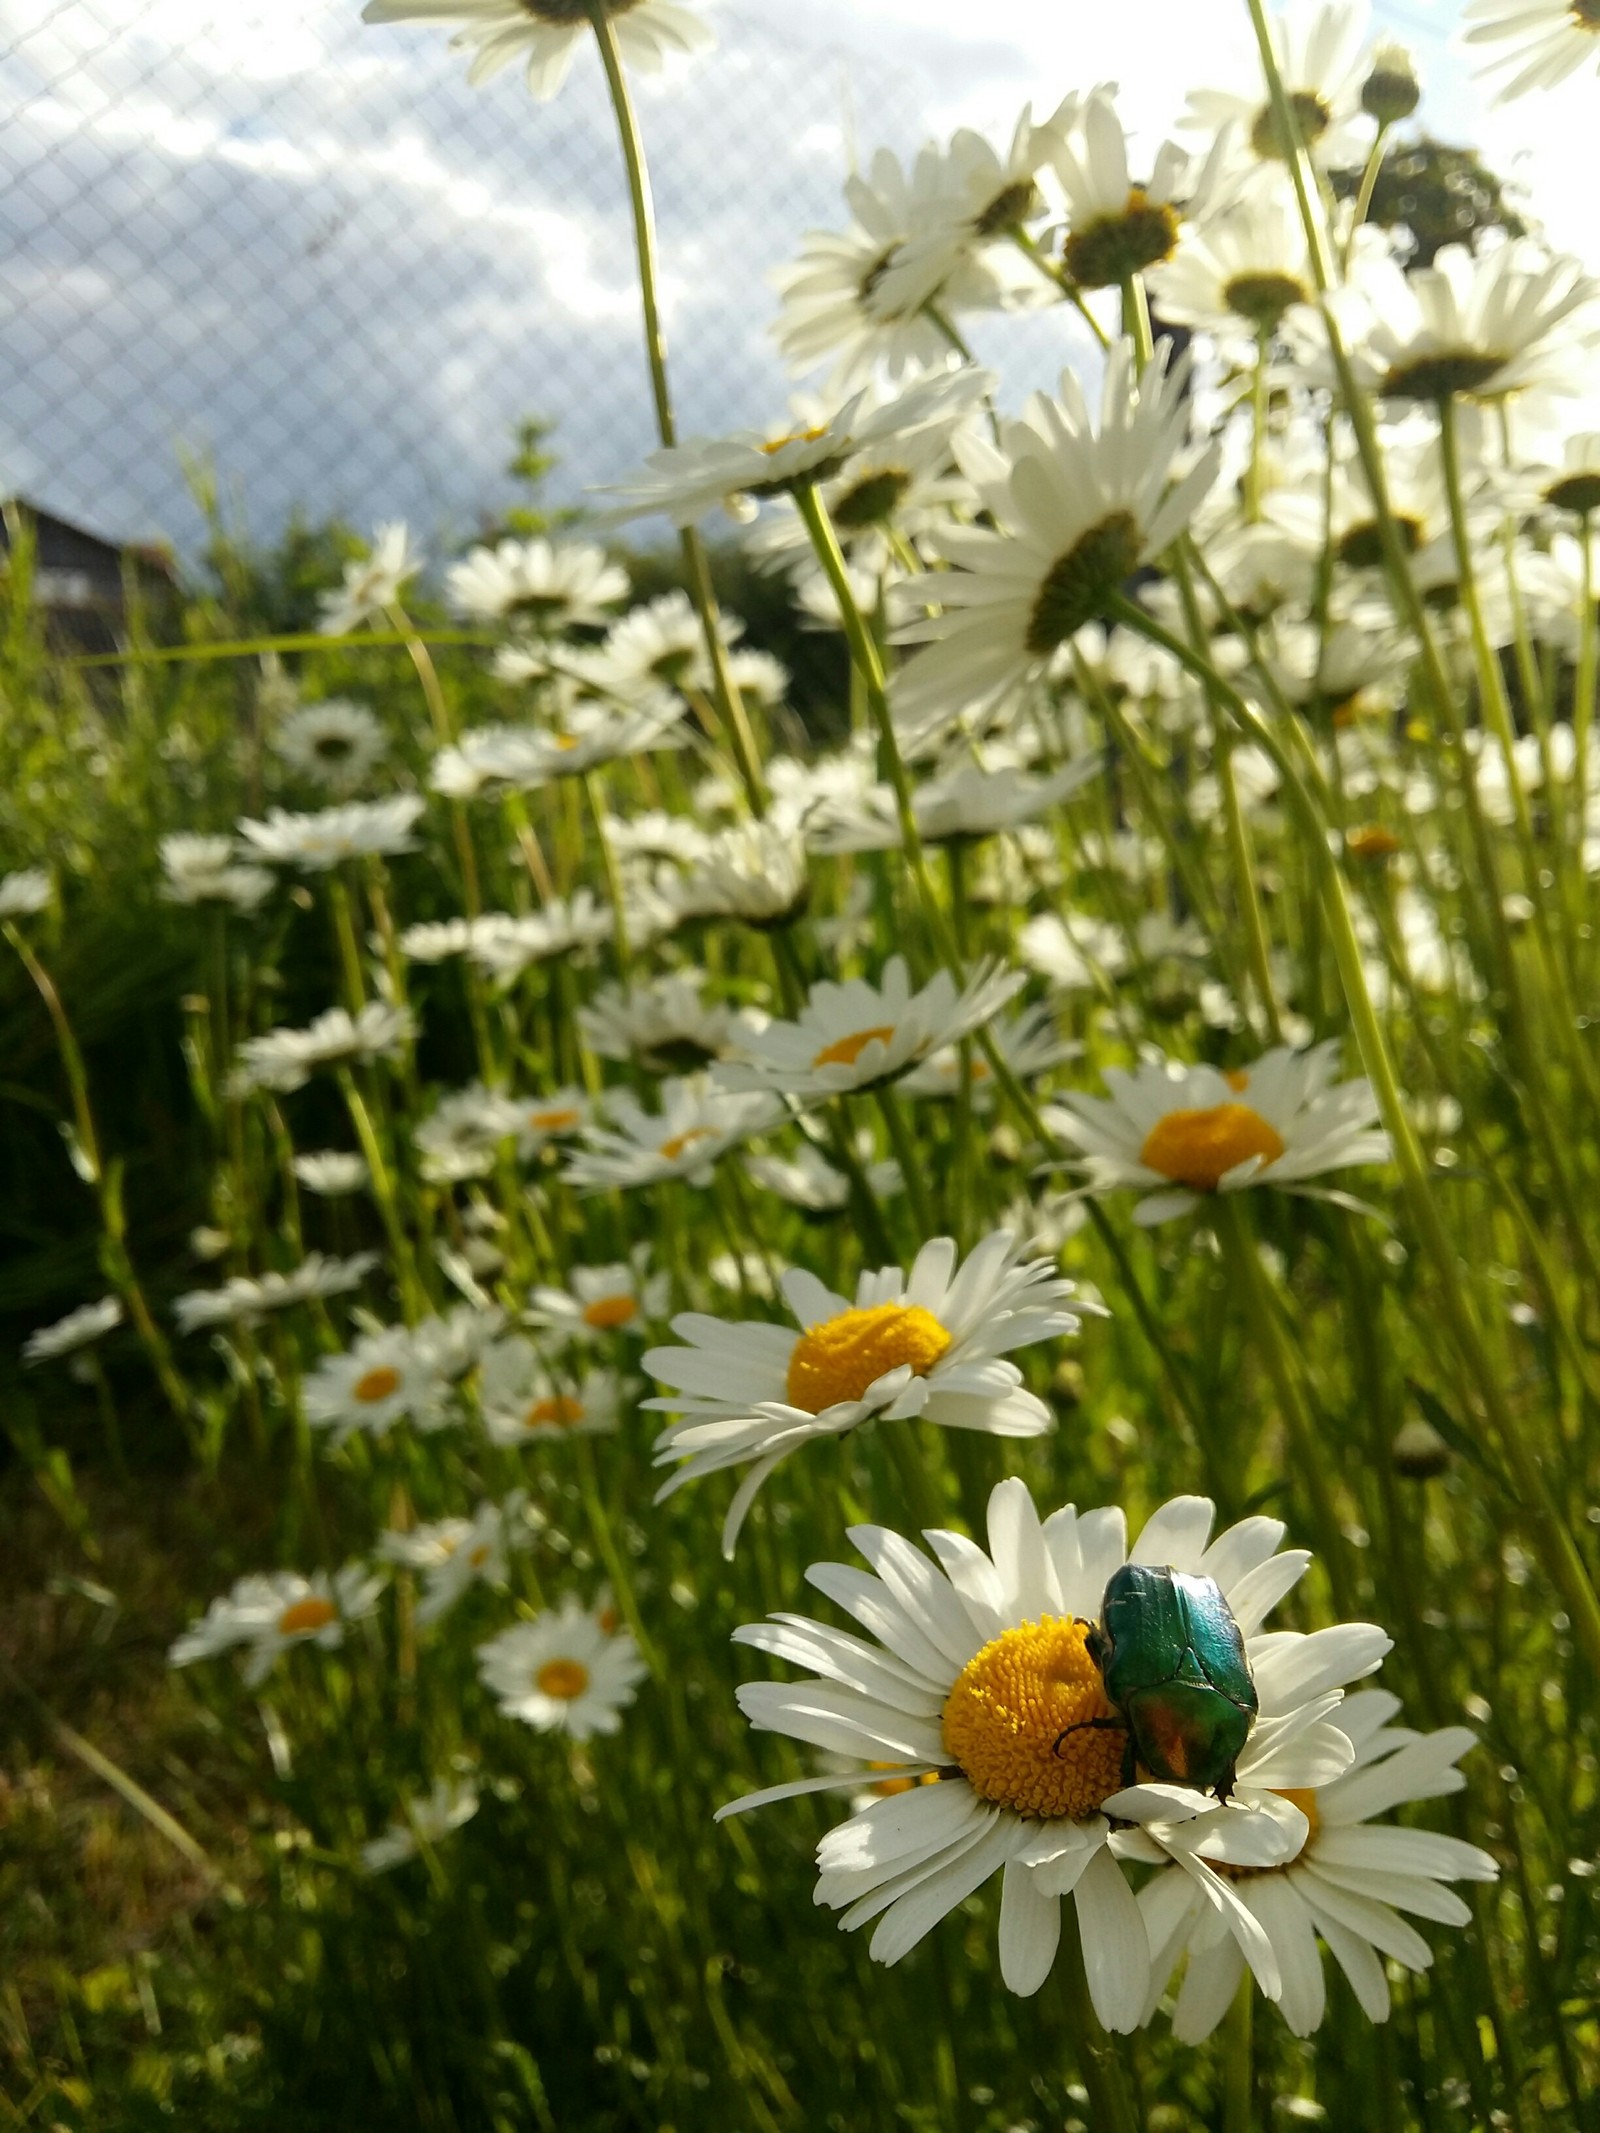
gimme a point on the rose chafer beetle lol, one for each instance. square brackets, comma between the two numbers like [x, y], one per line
[1174, 1666]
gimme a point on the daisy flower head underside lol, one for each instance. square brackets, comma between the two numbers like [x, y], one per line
[857, 1035]
[1485, 325]
[1345, 1883]
[981, 1675]
[1183, 1132]
[546, 34]
[932, 1344]
[1080, 502]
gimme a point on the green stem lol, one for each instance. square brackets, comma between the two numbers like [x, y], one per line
[1238, 2078]
[864, 656]
[725, 691]
[1110, 2105]
[1475, 1374]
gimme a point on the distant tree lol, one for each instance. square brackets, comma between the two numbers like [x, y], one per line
[1434, 195]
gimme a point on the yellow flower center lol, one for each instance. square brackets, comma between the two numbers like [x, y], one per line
[306, 1616]
[839, 1359]
[565, 741]
[1372, 842]
[376, 1385]
[608, 1311]
[1199, 1148]
[847, 1050]
[564, 1679]
[1020, 1722]
[674, 1148]
[480, 1555]
[561, 1412]
[1305, 1799]
[553, 1121]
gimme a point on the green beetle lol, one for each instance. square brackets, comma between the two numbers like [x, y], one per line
[1174, 1665]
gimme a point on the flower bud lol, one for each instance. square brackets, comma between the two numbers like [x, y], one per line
[1391, 91]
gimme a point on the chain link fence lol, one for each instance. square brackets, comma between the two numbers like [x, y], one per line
[259, 233]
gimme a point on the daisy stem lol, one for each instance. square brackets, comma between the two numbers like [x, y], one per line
[1583, 688]
[1136, 321]
[1060, 279]
[864, 657]
[1242, 1253]
[382, 1188]
[1238, 2072]
[608, 864]
[1110, 2104]
[1475, 1373]
[1368, 186]
[1496, 708]
[906, 1155]
[105, 1182]
[725, 690]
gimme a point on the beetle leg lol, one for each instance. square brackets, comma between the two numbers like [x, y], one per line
[1089, 1725]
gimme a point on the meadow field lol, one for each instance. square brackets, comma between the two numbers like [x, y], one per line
[801, 1281]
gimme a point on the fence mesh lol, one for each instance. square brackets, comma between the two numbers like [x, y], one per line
[307, 249]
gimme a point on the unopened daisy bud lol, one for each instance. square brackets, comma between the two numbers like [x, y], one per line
[1418, 1451]
[1391, 91]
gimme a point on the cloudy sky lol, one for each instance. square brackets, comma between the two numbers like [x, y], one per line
[256, 232]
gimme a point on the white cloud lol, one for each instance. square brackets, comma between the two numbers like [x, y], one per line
[313, 247]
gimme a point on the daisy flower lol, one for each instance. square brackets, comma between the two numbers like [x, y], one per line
[524, 758]
[1544, 40]
[1029, 1043]
[245, 1300]
[1083, 504]
[79, 1329]
[695, 1125]
[524, 1401]
[838, 298]
[454, 1554]
[967, 199]
[285, 1059]
[25, 893]
[858, 1035]
[372, 584]
[1509, 320]
[205, 870]
[462, 1136]
[545, 35]
[687, 482]
[336, 742]
[931, 1345]
[331, 1172]
[603, 1299]
[1182, 1132]
[382, 1380]
[807, 1180]
[566, 1671]
[422, 1822]
[754, 873]
[271, 1613]
[660, 645]
[1115, 227]
[537, 585]
[979, 1674]
[360, 829]
[1346, 1883]
[665, 1023]
[1319, 49]
[1237, 274]
[505, 945]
